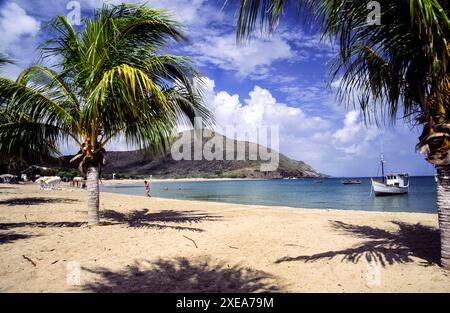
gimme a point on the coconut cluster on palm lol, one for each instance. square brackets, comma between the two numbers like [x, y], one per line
[435, 139]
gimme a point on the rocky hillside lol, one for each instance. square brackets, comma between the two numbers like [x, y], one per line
[139, 163]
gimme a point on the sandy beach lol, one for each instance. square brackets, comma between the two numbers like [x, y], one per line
[161, 245]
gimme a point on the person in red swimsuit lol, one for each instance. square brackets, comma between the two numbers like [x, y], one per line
[147, 188]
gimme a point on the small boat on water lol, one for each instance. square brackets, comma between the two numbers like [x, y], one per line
[351, 182]
[390, 184]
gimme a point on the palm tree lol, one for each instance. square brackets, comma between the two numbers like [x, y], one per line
[400, 65]
[110, 80]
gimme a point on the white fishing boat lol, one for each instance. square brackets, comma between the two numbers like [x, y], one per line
[390, 184]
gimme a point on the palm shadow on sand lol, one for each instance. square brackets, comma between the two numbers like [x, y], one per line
[143, 219]
[135, 219]
[6, 226]
[35, 201]
[382, 246]
[181, 275]
[11, 237]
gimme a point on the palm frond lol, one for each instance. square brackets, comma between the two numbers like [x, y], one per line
[21, 135]
[383, 68]
[112, 81]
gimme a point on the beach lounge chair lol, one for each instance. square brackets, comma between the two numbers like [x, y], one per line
[8, 179]
[54, 183]
[49, 182]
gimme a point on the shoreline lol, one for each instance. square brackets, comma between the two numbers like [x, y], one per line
[158, 180]
[238, 248]
[263, 206]
[125, 182]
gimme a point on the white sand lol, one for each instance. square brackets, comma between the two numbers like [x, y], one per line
[145, 247]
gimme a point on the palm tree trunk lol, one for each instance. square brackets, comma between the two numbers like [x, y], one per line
[443, 206]
[93, 195]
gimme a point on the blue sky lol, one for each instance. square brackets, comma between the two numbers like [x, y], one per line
[272, 80]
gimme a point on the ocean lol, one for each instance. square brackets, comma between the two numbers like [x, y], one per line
[301, 193]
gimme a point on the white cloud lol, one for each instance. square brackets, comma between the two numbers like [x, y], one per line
[15, 24]
[19, 34]
[351, 128]
[253, 58]
[303, 136]
[296, 94]
[354, 137]
[189, 13]
[297, 130]
[314, 97]
[260, 108]
[307, 46]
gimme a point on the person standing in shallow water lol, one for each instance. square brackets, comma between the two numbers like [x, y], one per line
[147, 188]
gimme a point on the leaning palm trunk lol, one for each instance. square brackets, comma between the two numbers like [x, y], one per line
[435, 144]
[443, 206]
[93, 195]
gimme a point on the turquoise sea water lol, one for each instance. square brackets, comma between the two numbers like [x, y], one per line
[302, 193]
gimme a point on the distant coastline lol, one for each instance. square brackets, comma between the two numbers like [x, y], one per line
[196, 179]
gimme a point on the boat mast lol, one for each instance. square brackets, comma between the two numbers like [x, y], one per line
[382, 160]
